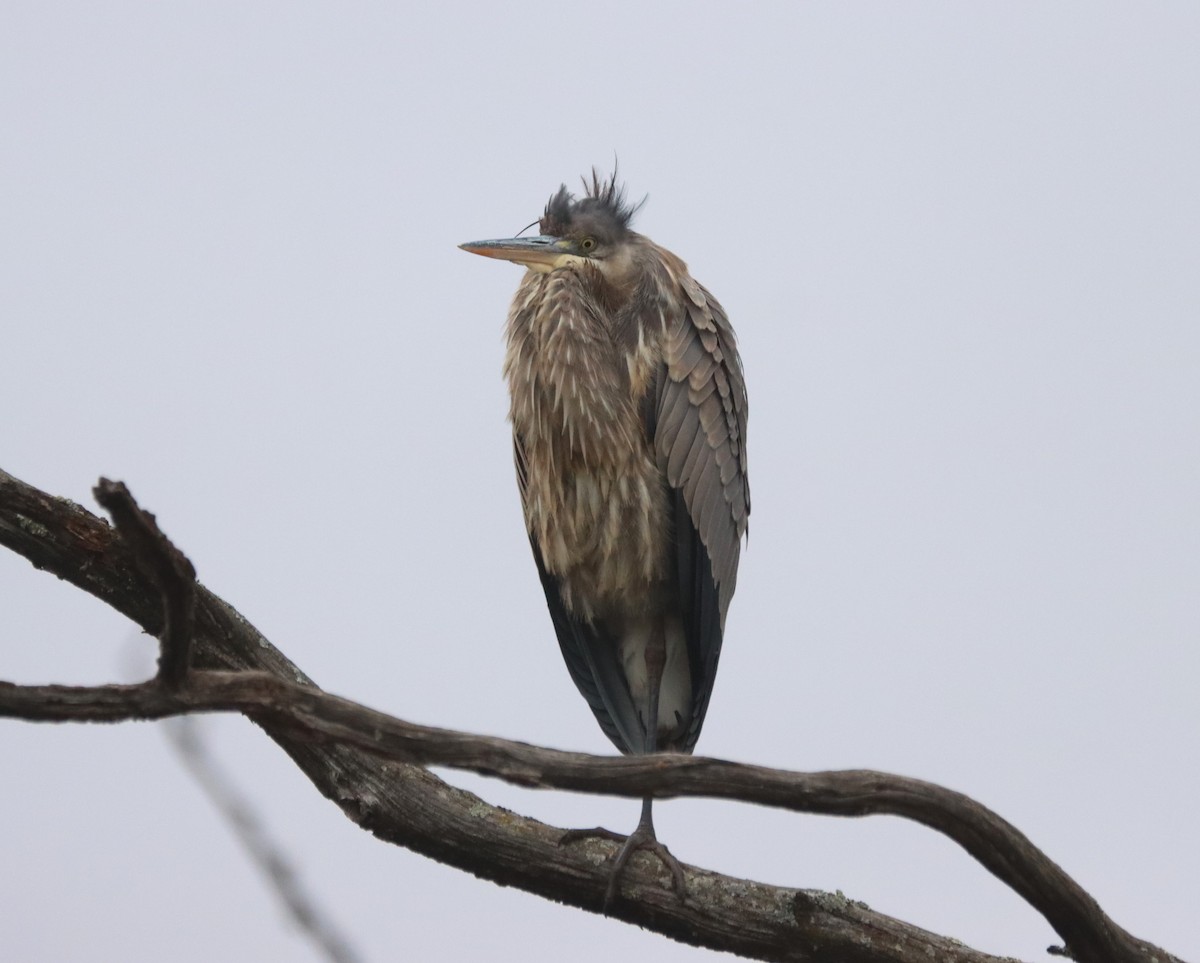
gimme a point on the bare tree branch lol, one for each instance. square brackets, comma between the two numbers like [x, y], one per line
[167, 567]
[340, 745]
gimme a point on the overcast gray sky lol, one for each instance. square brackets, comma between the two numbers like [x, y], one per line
[960, 244]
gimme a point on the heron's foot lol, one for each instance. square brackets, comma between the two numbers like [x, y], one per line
[642, 838]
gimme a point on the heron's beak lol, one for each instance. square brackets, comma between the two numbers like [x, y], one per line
[541, 253]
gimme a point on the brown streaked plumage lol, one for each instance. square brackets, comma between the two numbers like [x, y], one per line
[628, 409]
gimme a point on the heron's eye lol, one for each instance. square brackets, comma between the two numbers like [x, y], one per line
[588, 243]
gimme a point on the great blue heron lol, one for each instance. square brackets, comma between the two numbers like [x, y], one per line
[628, 410]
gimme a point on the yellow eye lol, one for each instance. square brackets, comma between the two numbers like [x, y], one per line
[587, 243]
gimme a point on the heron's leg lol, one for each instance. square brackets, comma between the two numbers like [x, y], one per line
[643, 837]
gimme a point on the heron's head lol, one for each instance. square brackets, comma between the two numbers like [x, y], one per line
[592, 229]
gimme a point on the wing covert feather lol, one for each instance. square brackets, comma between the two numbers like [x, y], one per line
[701, 427]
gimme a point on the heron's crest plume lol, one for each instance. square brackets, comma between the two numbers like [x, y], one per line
[603, 198]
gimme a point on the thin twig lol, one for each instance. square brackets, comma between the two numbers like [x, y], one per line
[264, 852]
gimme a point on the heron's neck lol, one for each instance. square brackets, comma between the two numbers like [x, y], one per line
[568, 378]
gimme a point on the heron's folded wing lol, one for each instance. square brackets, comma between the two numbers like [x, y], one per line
[698, 423]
